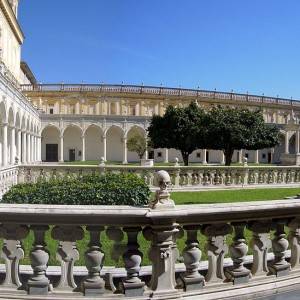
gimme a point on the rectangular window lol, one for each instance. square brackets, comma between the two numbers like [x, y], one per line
[51, 111]
[159, 154]
[198, 154]
[263, 155]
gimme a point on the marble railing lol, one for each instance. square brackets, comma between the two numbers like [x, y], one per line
[191, 177]
[154, 90]
[216, 232]
[8, 178]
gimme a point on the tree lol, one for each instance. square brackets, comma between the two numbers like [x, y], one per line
[137, 143]
[181, 128]
[230, 129]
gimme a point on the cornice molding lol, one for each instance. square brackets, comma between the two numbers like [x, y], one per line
[12, 20]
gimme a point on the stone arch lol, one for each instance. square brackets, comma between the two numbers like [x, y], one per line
[11, 117]
[134, 131]
[50, 143]
[72, 142]
[18, 120]
[93, 142]
[292, 141]
[114, 140]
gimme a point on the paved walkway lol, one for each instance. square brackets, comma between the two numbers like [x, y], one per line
[284, 296]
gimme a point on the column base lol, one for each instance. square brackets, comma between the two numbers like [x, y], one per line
[192, 284]
[125, 162]
[280, 270]
[133, 289]
[38, 287]
[238, 277]
[93, 287]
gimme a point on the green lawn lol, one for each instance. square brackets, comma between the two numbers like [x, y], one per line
[242, 195]
[180, 198]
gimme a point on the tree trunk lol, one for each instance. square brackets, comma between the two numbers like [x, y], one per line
[185, 157]
[228, 156]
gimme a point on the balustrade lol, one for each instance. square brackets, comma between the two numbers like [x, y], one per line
[181, 177]
[248, 226]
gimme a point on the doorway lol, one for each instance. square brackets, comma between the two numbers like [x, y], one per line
[269, 157]
[71, 154]
[51, 152]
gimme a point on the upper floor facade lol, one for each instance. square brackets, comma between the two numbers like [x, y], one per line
[143, 101]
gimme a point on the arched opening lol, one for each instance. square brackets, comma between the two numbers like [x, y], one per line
[93, 143]
[292, 142]
[72, 143]
[50, 144]
[279, 149]
[114, 138]
[135, 132]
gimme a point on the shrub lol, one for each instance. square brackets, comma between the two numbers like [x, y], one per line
[108, 189]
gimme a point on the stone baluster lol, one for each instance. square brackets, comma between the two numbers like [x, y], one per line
[132, 285]
[162, 256]
[216, 250]
[238, 251]
[38, 283]
[67, 253]
[280, 266]
[294, 239]
[12, 252]
[260, 244]
[192, 279]
[94, 284]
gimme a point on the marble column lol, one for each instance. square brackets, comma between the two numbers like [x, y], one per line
[12, 146]
[39, 148]
[222, 158]
[19, 145]
[240, 156]
[125, 151]
[204, 162]
[61, 157]
[286, 144]
[166, 155]
[24, 148]
[28, 148]
[256, 157]
[31, 148]
[4, 146]
[83, 148]
[146, 151]
[104, 146]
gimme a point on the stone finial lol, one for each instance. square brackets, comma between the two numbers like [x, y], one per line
[245, 161]
[162, 196]
[176, 162]
[102, 161]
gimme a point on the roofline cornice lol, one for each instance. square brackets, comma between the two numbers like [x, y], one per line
[12, 20]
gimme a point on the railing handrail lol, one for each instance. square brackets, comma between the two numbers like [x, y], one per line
[122, 215]
[141, 89]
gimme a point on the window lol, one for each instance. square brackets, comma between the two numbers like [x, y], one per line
[263, 155]
[159, 154]
[132, 110]
[113, 109]
[51, 111]
[198, 155]
[246, 155]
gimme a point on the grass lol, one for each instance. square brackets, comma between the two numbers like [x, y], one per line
[243, 195]
[179, 198]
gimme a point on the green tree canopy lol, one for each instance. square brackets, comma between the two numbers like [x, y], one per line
[181, 128]
[137, 143]
[230, 129]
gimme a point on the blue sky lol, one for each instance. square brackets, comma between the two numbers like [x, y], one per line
[244, 45]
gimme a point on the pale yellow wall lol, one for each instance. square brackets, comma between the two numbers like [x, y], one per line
[10, 48]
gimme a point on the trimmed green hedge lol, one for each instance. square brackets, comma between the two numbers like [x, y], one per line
[108, 189]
